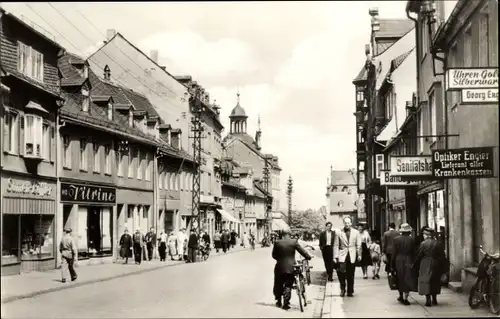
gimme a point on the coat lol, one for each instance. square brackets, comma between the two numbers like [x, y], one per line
[67, 247]
[403, 257]
[126, 245]
[225, 238]
[388, 241]
[193, 241]
[342, 246]
[284, 254]
[322, 239]
[430, 260]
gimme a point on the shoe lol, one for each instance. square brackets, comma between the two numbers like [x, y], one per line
[330, 278]
[342, 293]
[378, 277]
[428, 304]
[374, 277]
[400, 300]
[73, 279]
[434, 302]
[350, 294]
[279, 304]
[285, 307]
[63, 280]
[365, 277]
[406, 302]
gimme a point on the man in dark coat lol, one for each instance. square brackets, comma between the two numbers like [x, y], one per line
[125, 245]
[150, 242]
[192, 246]
[326, 241]
[138, 246]
[431, 260]
[233, 238]
[225, 241]
[284, 253]
[403, 257]
[388, 246]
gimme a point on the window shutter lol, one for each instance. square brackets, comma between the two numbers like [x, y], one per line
[7, 124]
[41, 66]
[52, 143]
[21, 134]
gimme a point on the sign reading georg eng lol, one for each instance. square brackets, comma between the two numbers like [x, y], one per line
[474, 162]
[471, 78]
[87, 194]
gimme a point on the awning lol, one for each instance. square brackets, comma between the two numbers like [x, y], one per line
[279, 224]
[227, 216]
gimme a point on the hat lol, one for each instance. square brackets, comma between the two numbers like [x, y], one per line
[405, 228]
[429, 231]
[67, 230]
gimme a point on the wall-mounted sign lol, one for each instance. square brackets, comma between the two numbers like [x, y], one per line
[475, 96]
[389, 180]
[87, 194]
[411, 165]
[474, 162]
[471, 78]
[28, 188]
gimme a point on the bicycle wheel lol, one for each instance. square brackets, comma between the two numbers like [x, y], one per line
[308, 277]
[476, 294]
[303, 288]
[299, 294]
[494, 295]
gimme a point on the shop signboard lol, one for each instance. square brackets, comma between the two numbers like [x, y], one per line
[476, 162]
[87, 194]
[471, 78]
[28, 188]
[478, 96]
[410, 166]
[397, 181]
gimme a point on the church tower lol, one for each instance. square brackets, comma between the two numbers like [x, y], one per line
[238, 119]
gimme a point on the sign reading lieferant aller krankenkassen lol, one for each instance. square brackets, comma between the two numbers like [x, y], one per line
[474, 162]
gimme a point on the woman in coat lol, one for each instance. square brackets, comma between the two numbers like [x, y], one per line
[126, 246]
[366, 241]
[430, 260]
[172, 243]
[217, 241]
[403, 256]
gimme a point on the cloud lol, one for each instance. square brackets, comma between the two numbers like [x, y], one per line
[204, 59]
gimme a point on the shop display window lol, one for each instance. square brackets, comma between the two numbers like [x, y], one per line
[95, 232]
[37, 237]
[10, 239]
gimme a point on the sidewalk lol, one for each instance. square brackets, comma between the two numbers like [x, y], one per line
[372, 298]
[36, 283]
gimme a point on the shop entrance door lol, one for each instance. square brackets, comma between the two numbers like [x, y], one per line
[94, 229]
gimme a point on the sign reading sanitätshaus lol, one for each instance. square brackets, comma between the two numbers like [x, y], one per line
[474, 162]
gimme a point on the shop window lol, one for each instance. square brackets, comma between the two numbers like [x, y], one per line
[10, 239]
[66, 152]
[37, 239]
[33, 132]
[11, 132]
[107, 159]
[83, 154]
[95, 232]
[97, 157]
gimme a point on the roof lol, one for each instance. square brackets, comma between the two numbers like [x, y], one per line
[391, 30]
[249, 142]
[362, 75]
[442, 37]
[52, 90]
[234, 184]
[343, 178]
[259, 185]
[70, 75]
[395, 63]
[238, 111]
[258, 193]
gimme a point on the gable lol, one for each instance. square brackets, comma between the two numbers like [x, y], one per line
[245, 156]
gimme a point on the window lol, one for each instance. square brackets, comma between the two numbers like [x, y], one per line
[46, 143]
[110, 111]
[379, 162]
[83, 154]
[36, 236]
[167, 180]
[181, 181]
[433, 116]
[85, 100]
[421, 131]
[97, 159]
[30, 62]
[139, 165]
[33, 136]
[161, 179]
[130, 168]
[175, 184]
[360, 95]
[130, 119]
[10, 133]
[148, 168]
[345, 189]
[66, 152]
[107, 159]
[121, 163]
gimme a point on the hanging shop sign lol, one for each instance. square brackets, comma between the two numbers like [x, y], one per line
[474, 162]
[411, 165]
[87, 194]
[471, 78]
[34, 188]
[387, 179]
[478, 96]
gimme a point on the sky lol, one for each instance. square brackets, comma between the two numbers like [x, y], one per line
[292, 62]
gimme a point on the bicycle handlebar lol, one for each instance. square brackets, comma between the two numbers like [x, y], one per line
[494, 256]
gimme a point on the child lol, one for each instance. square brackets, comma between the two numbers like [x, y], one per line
[375, 255]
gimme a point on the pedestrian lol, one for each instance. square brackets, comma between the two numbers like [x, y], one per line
[366, 259]
[68, 251]
[244, 240]
[346, 250]
[404, 256]
[150, 242]
[206, 239]
[173, 244]
[420, 236]
[192, 246]
[430, 260]
[126, 246]
[217, 241]
[225, 241]
[181, 238]
[284, 253]
[233, 239]
[376, 258]
[387, 247]
[162, 246]
[326, 241]
[138, 246]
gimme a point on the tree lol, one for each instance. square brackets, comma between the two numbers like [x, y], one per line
[308, 221]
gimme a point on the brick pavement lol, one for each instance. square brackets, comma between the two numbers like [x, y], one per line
[372, 299]
[35, 283]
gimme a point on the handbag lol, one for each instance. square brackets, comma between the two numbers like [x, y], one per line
[393, 281]
[384, 258]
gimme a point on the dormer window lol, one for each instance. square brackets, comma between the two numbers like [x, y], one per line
[107, 73]
[85, 100]
[29, 61]
[130, 119]
[110, 111]
[85, 71]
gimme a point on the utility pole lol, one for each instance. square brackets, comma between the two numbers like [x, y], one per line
[289, 194]
[370, 95]
[197, 108]
[268, 199]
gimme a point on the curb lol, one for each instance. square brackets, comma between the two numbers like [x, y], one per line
[318, 309]
[93, 281]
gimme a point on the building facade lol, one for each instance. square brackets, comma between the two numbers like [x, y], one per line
[342, 197]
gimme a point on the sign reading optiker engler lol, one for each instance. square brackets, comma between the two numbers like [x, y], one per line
[474, 162]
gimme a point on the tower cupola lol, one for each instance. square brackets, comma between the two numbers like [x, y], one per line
[238, 119]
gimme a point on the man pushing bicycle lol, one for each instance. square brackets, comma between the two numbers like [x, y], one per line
[284, 254]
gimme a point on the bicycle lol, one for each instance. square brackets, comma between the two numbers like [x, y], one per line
[306, 268]
[487, 286]
[299, 282]
[204, 251]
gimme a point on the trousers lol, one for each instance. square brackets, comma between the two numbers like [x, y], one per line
[68, 265]
[192, 254]
[282, 287]
[346, 275]
[150, 247]
[327, 253]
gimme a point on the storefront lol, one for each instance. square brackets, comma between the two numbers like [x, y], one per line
[225, 220]
[28, 211]
[168, 211]
[88, 211]
[431, 197]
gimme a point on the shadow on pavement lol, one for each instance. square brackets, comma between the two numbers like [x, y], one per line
[318, 278]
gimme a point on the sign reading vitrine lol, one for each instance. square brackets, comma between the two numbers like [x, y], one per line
[474, 162]
[87, 194]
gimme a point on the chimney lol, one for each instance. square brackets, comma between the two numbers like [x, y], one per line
[153, 54]
[375, 28]
[110, 33]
